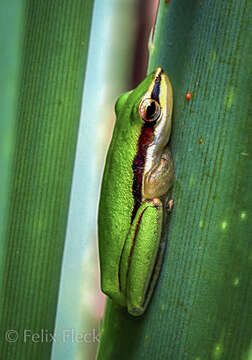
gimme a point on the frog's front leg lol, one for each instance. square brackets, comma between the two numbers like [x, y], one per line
[159, 179]
[142, 256]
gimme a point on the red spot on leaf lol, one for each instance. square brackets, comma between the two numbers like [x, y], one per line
[188, 96]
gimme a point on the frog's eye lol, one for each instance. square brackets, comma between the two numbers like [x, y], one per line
[149, 109]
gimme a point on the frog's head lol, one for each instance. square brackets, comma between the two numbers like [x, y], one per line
[149, 105]
[155, 105]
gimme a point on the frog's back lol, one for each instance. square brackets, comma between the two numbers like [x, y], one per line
[116, 203]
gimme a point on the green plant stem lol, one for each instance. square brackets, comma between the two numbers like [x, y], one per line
[11, 35]
[54, 57]
[202, 305]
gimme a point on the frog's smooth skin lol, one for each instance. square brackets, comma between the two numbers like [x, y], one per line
[137, 176]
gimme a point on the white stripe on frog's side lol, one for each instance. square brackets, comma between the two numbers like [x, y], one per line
[163, 124]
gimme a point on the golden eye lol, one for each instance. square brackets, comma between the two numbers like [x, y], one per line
[149, 110]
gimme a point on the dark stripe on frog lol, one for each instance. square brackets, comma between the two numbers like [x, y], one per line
[145, 139]
[156, 88]
[131, 250]
[155, 272]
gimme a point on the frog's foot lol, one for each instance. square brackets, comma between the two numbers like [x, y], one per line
[169, 205]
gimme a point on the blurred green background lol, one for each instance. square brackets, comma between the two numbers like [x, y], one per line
[63, 64]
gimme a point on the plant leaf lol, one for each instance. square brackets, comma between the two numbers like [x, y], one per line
[54, 58]
[201, 308]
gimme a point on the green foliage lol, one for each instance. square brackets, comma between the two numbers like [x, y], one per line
[11, 16]
[54, 55]
[202, 305]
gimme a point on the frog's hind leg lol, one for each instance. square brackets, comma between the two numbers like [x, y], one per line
[142, 256]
